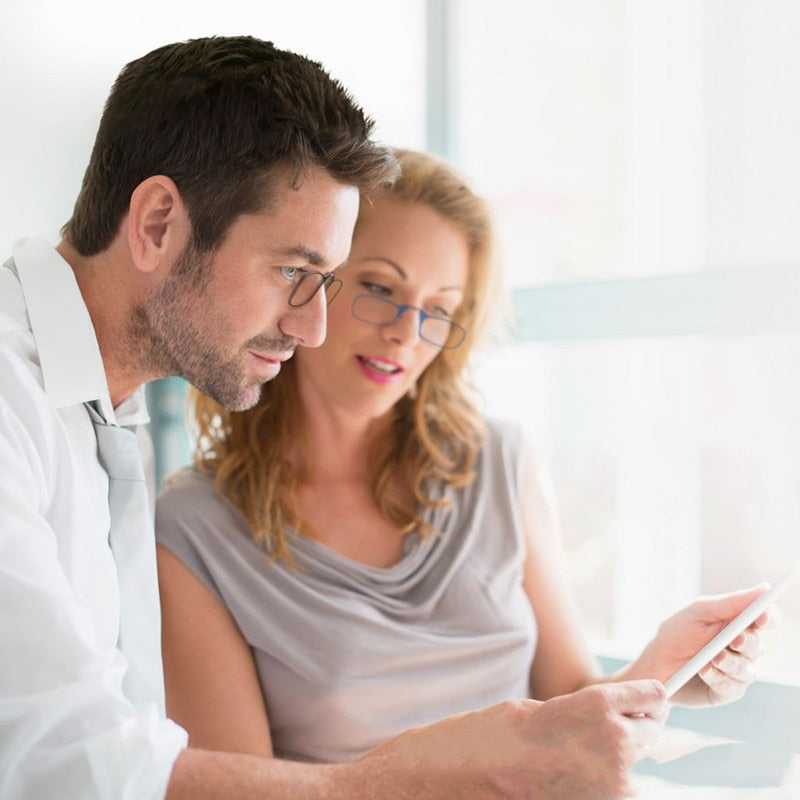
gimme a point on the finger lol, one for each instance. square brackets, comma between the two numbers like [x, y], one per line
[769, 619]
[642, 734]
[641, 697]
[749, 644]
[724, 607]
[721, 686]
[734, 666]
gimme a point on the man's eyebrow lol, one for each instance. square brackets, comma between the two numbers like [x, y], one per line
[312, 256]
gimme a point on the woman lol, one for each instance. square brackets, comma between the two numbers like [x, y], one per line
[363, 552]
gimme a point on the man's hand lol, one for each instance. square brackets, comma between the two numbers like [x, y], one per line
[581, 745]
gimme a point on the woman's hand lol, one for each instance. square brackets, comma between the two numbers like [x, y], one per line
[729, 673]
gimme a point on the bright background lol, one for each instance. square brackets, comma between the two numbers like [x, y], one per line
[642, 159]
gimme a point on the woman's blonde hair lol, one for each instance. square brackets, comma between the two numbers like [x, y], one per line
[437, 434]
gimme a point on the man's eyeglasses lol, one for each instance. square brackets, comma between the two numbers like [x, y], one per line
[310, 283]
[439, 331]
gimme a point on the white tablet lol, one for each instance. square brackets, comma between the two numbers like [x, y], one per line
[744, 620]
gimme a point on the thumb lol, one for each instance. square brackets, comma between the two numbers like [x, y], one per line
[723, 607]
[643, 697]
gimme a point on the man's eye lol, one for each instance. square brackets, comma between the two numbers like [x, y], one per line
[291, 273]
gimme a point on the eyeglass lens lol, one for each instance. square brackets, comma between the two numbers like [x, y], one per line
[310, 283]
[380, 311]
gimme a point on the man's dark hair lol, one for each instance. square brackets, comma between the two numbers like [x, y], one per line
[218, 116]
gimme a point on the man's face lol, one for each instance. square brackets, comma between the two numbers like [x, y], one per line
[222, 320]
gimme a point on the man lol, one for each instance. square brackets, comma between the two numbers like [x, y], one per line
[220, 195]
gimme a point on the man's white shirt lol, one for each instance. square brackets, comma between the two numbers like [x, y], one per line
[66, 728]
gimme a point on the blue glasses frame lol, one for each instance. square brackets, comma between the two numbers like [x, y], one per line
[455, 336]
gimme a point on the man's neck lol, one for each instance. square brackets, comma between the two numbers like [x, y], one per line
[108, 297]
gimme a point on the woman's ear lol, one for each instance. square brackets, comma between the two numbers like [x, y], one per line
[158, 224]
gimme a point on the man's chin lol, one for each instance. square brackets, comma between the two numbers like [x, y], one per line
[248, 398]
[238, 398]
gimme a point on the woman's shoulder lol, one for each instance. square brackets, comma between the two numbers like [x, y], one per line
[189, 501]
[188, 485]
[195, 526]
[511, 447]
[505, 435]
[504, 428]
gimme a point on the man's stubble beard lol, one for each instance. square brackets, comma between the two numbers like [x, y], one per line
[163, 333]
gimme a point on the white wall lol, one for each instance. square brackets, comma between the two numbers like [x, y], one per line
[58, 60]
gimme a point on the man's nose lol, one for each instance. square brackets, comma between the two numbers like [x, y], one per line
[307, 324]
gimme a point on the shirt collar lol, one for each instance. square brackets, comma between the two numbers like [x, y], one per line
[69, 356]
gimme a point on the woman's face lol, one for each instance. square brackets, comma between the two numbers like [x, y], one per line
[406, 253]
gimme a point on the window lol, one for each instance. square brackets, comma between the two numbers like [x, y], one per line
[642, 161]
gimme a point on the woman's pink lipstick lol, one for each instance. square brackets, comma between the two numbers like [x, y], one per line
[389, 374]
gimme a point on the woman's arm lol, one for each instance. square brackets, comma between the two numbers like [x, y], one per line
[562, 662]
[212, 686]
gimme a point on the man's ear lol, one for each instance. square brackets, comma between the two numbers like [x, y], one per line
[158, 224]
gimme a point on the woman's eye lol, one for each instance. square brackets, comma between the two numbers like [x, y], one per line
[438, 311]
[375, 288]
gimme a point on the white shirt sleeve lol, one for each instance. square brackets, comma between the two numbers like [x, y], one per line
[66, 729]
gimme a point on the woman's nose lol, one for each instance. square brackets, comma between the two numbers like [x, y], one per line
[405, 327]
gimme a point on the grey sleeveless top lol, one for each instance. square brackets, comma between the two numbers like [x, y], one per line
[348, 654]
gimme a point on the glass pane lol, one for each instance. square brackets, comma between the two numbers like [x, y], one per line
[632, 138]
[676, 466]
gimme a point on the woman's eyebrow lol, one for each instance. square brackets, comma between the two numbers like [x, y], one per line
[388, 261]
[452, 289]
[402, 272]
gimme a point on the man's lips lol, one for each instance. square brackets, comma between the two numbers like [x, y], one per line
[268, 366]
[272, 358]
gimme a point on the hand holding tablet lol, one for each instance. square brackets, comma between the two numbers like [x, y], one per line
[730, 632]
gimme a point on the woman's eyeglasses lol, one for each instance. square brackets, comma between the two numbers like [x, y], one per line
[438, 331]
